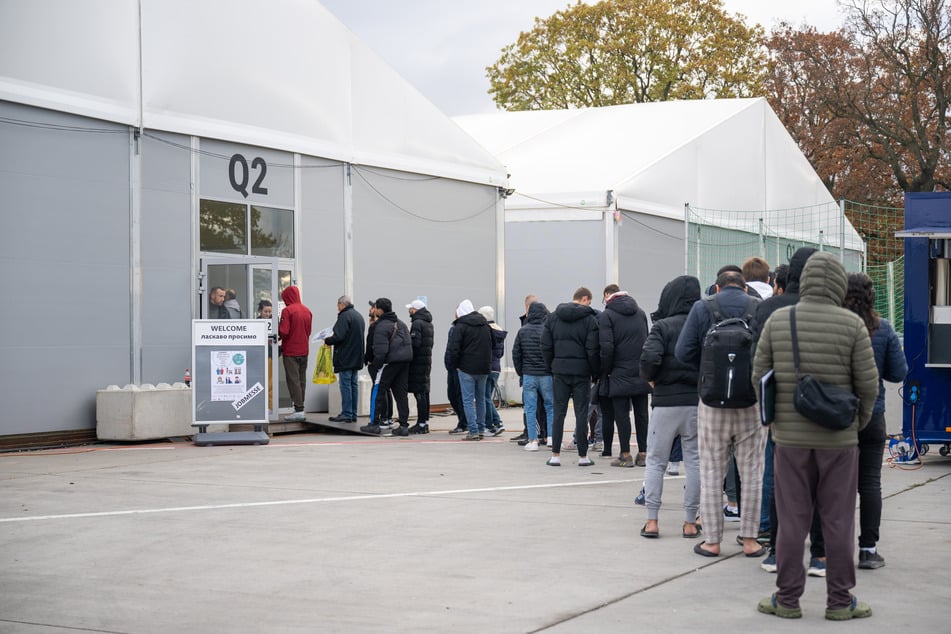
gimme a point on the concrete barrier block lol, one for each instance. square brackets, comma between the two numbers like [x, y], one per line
[508, 385]
[144, 412]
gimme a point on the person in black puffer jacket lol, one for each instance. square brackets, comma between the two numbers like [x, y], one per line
[674, 401]
[421, 333]
[470, 354]
[570, 346]
[392, 353]
[535, 373]
[622, 329]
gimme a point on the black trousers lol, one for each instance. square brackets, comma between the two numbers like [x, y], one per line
[619, 412]
[578, 389]
[871, 447]
[422, 406]
[395, 378]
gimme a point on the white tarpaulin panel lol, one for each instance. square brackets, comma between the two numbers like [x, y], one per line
[284, 74]
[730, 154]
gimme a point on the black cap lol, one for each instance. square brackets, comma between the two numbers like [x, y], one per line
[384, 304]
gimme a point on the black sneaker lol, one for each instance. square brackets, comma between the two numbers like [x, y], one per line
[459, 430]
[522, 436]
[542, 441]
[419, 429]
[494, 431]
[400, 430]
[870, 561]
[372, 429]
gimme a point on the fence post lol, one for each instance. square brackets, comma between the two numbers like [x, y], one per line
[842, 231]
[762, 240]
[686, 238]
[890, 289]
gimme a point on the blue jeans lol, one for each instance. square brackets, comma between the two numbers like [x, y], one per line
[349, 393]
[472, 385]
[492, 418]
[532, 387]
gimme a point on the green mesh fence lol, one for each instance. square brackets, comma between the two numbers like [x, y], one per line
[885, 256]
[862, 237]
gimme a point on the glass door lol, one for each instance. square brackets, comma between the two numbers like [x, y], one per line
[250, 288]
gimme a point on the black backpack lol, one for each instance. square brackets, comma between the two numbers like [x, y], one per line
[726, 360]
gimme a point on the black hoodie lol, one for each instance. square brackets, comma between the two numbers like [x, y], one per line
[622, 329]
[570, 341]
[675, 383]
[470, 345]
[421, 334]
[789, 297]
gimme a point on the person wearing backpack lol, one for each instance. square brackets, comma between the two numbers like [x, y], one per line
[392, 352]
[717, 339]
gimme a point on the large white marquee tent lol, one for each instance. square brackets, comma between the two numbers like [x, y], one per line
[117, 122]
[600, 193]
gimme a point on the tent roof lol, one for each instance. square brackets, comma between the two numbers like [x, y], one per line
[715, 153]
[283, 74]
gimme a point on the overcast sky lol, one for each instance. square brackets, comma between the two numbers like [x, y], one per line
[443, 46]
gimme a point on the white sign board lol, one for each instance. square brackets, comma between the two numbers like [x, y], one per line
[229, 371]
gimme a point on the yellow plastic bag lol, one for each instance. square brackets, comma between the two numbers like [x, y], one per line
[324, 371]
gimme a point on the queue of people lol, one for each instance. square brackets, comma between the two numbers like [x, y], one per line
[795, 476]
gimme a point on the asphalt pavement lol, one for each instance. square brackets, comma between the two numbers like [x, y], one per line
[321, 532]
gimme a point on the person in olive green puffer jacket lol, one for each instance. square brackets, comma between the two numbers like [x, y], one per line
[815, 466]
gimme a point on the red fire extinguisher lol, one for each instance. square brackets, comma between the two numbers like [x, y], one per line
[188, 377]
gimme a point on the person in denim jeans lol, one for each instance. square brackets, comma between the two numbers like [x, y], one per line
[493, 422]
[470, 354]
[347, 341]
[536, 378]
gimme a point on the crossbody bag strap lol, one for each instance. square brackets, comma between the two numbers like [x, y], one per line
[795, 339]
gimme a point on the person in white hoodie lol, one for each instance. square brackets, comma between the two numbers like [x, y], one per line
[756, 273]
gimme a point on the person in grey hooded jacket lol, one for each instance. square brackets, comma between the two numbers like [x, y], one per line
[675, 404]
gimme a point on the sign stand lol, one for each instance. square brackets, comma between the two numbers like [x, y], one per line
[229, 380]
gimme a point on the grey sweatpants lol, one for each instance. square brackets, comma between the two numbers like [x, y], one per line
[666, 423]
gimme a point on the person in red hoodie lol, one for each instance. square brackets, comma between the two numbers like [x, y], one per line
[294, 332]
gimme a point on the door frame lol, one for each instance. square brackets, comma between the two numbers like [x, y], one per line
[253, 263]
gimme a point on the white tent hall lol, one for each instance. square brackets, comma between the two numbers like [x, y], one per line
[601, 195]
[152, 149]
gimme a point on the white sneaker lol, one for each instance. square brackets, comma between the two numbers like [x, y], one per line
[296, 417]
[585, 462]
[673, 469]
[569, 446]
[532, 446]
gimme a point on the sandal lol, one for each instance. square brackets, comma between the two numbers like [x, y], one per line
[693, 535]
[649, 534]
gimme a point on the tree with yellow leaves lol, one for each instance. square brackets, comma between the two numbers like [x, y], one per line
[629, 51]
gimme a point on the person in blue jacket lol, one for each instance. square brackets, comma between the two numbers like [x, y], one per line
[890, 360]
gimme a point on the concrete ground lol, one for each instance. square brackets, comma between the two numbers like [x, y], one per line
[331, 533]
